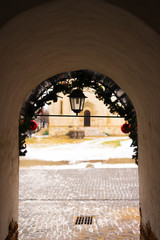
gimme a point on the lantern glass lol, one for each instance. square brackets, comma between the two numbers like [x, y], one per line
[77, 99]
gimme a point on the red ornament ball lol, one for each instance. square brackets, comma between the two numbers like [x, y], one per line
[64, 83]
[21, 122]
[33, 125]
[125, 128]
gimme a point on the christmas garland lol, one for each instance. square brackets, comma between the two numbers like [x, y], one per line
[105, 90]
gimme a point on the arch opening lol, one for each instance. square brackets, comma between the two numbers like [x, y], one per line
[57, 84]
[105, 88]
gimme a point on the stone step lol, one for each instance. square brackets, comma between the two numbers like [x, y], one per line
[92, 131]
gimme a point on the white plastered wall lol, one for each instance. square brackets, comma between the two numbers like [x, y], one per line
[71, 35]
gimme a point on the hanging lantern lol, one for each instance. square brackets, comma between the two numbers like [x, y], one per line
[33, 125]
[126, 128]
[77, 99]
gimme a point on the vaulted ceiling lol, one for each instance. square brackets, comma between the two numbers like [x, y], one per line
[146, 10]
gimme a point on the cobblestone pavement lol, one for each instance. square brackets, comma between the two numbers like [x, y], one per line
[50, 201]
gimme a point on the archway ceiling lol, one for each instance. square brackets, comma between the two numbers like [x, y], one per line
[147, 11]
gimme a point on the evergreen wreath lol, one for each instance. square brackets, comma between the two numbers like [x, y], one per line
[106, 90]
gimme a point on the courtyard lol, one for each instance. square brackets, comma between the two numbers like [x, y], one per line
[54, 194]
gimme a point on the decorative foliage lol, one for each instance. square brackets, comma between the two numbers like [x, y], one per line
[106, 90]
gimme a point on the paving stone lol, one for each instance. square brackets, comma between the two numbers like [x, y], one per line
[51, 199]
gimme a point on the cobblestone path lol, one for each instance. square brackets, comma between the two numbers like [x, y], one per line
[50, 201]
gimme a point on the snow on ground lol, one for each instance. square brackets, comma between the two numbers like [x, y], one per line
[87, 150]
[84, 165]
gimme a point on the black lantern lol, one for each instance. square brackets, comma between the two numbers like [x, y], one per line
[77, 99]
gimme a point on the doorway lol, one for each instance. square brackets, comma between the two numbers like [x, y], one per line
[87, 119]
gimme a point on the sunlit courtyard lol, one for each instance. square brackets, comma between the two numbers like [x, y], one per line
[63, 181]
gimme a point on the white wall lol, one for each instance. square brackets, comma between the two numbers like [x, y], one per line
[69, 35]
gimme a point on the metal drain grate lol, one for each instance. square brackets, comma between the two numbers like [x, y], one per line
[84, 220]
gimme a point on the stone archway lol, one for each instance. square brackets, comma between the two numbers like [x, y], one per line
[39, 43]
[91, 110]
